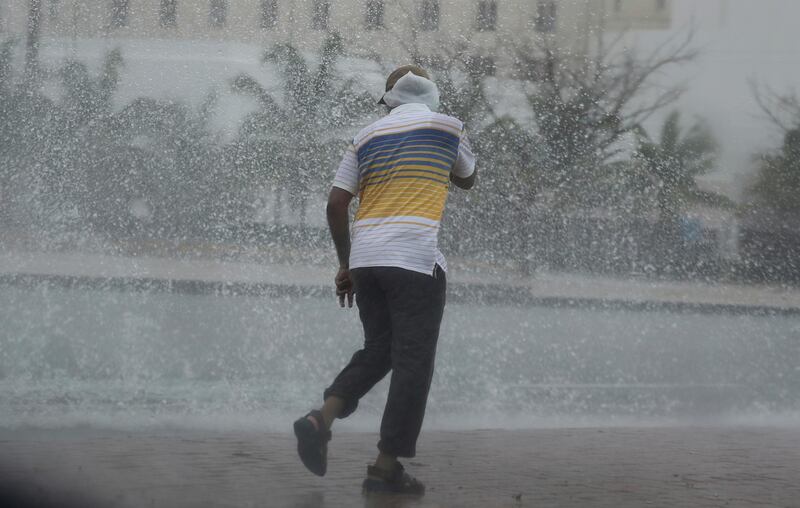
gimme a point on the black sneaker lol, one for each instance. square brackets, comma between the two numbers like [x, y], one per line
[396, 481]
[312, 444]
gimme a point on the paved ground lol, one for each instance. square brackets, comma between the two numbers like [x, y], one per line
[611, 467]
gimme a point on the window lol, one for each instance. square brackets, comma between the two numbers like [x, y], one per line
[218, 13]
[168, 13]
[661, 5]
[373, 19]
[269, 14]
[487, 15]
[119, 13]
[545, 16]
[320, 13]
[429, 15]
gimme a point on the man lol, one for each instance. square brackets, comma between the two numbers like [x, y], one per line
[400, 167]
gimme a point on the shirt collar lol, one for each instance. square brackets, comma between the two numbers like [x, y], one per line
[411, 106]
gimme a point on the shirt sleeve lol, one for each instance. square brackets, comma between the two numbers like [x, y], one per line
[465, 162]
[347, 175]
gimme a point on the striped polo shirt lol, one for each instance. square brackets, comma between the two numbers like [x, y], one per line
[399, 167]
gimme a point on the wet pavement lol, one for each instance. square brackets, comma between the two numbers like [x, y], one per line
[609, 467]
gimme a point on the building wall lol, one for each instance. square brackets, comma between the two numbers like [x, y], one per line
[576, 23]
[637, 14]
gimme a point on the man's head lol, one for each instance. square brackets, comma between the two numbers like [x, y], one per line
[410, 84]
[399, 73]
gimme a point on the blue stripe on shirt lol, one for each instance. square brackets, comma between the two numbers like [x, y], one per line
[437, 136]
[411, 152]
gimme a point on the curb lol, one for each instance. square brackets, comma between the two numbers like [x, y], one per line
[489, 294]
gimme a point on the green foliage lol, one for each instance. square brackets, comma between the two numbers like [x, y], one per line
[292, 144]
[70, 165]
[573, 128]
[508, 153]
[29, 125]
[463, 98]
[108, 83]
[509, 181]
[585, 109]
[6, 56]
[157, 172]
[675, 160]
[88, 98]
[778, 182]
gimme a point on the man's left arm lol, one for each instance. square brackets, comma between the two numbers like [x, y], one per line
[463, 173]
[339, 225]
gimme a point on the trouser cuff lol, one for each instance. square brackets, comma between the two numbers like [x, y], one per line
[396, 449]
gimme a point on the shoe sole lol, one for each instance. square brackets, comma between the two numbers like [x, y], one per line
[381, 487]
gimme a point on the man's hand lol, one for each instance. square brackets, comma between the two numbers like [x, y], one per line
[344, 286]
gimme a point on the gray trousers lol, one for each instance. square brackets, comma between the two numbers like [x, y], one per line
[401, 311]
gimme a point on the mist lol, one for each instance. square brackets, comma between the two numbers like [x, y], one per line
[628, 258]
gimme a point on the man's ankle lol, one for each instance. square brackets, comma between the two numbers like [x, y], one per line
[331, 410]
[386, 462]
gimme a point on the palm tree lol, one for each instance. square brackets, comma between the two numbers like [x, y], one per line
[152, 167]
[87, 98]
[583, 108]
[675, 161]
[30, 134]
[510, 182]
[295, 143]
[158, 171]
[83, 114]
[32, 41]
[778, 181]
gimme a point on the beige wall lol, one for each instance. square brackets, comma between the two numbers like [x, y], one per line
[638, 14]
[577, 24]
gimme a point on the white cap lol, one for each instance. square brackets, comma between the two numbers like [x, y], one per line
[413, 89]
